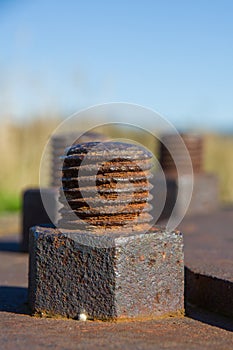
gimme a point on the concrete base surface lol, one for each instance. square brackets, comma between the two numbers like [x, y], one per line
[208, 251]
[24, 332]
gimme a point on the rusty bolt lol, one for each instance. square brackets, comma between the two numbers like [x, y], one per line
[194, 144]
[205, 186]
[58, 145]
[33, 212]
[119, 175]
[105, 261]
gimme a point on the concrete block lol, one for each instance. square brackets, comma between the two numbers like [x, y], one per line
[107, 276]
[34, 213]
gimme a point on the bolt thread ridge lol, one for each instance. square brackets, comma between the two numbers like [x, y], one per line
[59, 143]
[106, 185]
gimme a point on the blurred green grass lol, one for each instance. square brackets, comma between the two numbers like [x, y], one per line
[9, 202]
[21, 150]
[22, 146]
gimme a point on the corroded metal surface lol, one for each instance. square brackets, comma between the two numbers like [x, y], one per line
[23, 332]
[111, 276]
[106, 261]
[205, 195]
[34, 213]
[106, 185]
[59, 143]
[194, 144]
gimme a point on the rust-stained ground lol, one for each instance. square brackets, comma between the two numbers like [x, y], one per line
[23, 332]
[208, 250]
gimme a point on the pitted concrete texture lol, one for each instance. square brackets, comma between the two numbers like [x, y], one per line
[109, 276]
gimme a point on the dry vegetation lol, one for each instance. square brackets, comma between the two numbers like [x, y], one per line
[219, 160]
[22, 146]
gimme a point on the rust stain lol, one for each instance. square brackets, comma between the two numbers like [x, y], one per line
[194, 144]
[118, 198]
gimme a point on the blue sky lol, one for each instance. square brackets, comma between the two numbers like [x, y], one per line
[174, 56]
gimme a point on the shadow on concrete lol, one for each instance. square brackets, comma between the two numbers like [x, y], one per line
[209, 299]
[208, 317]
[14, 299]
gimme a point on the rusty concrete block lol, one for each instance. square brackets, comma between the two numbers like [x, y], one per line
[113, 276]
[205, 196]
[34, 213]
